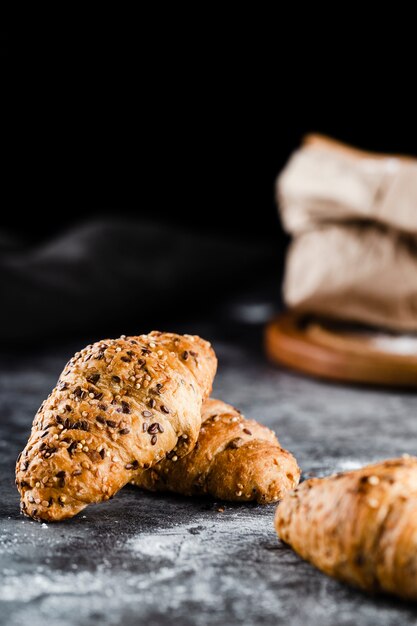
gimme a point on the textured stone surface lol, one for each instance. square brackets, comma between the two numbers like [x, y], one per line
[163, 559]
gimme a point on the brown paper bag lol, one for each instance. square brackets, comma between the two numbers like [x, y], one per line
[353, 217]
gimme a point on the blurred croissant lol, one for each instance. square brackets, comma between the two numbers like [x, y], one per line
[234, 459]
[360, 527]
[119, 405]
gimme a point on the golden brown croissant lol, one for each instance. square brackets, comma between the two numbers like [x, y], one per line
[119, 405]
[360, 527]
[233, 459]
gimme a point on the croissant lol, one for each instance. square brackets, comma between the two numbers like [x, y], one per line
[234, 459]
[360, 526]
[119, 405]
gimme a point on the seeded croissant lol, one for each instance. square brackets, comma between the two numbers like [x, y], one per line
[234, 459]
[360, 527]
[119, 405]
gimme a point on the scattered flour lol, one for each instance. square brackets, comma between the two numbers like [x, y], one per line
[345, 465]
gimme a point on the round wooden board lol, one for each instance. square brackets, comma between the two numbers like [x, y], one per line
[331, 351]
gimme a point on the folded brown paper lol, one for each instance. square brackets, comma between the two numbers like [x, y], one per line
[353, 217]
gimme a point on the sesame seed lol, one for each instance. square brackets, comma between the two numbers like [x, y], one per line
[118, 349]
[153, 428]
[247, 431]
[102, 453]
[174, 458]
[152, 344]
[91, 395]
[154, 439]
[111, 423]
[37, 484]
[185, 355]
[238, 493]
[45, 503]
[373, 480]
[116, 379]
[124, 431]
[164, 409]
[146, 413]
[84, 413]
[373, 503]
[85, 465]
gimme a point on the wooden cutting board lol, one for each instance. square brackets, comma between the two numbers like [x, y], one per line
[341, 352]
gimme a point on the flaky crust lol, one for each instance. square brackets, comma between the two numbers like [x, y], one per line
[234, 459]
[119, 405]
[360, 526]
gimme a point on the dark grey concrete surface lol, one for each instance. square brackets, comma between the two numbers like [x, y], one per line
[159, 560]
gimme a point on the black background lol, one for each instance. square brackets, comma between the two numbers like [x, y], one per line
[180, 129]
